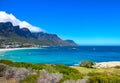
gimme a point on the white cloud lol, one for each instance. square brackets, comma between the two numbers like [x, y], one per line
[4, 17]
[29, 26]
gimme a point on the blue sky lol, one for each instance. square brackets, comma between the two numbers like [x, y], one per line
[88, 22]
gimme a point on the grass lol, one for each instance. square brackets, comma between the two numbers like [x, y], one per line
[96, 75]
[100, 75]
[86, 71]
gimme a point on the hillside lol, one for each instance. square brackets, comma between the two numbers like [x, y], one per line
[10, 34]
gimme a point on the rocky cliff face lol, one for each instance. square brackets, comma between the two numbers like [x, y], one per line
[11, 33]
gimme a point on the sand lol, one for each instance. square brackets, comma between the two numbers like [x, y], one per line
[10, 49]
[107, 64]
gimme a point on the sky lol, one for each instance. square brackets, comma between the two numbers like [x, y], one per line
[87, 22]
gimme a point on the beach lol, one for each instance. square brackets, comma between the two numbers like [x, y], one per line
[10, 49]
[107, 64]
[7, 49]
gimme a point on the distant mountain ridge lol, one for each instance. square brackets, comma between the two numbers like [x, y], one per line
[10, 33]
[71, 41]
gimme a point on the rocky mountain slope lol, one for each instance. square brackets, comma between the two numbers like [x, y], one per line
[10, 33]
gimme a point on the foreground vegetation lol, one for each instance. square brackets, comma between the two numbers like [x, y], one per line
[68, 73]
[65, 74]
[100, 75]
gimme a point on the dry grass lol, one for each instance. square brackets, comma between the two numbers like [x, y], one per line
[4, 80]
[84, 70]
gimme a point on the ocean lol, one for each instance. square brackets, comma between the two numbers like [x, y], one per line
[63, 55]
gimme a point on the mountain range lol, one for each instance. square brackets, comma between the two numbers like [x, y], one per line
[10, 33]
[16, 32]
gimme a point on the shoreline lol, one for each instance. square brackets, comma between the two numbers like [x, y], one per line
[11, 49]
[109, 64]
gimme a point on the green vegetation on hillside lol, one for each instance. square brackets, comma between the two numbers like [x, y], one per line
[100, 75]
[72, 73]
[68, 73]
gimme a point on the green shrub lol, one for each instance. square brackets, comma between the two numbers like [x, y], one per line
[87, 64]
[68, 73]
[117, 67]
[26, 65]
[2, 67]
[31, 79]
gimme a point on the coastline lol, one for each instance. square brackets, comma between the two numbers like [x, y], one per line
[10, 49]
[109, 64]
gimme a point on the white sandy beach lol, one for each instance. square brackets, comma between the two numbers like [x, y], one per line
[107, 64]
[9, 49]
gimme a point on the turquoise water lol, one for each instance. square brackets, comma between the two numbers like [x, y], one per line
[63, 55]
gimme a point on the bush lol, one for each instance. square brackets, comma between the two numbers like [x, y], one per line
[2, 69]
[68, 73]
[46, 77]
[31, 78]
[104, 79]
[117, 67]
[87, 64]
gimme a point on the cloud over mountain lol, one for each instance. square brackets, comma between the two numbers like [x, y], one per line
[4, 17]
